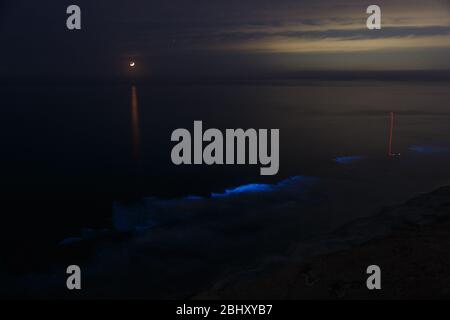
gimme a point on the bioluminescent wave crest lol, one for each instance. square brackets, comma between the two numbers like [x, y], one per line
[150, 212]
[256, 187]
[348, 159]
[429, 149]
[239, 201]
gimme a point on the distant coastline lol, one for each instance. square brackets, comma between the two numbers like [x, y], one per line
[301, 77]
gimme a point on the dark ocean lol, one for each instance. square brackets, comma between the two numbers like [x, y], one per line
[81, 158]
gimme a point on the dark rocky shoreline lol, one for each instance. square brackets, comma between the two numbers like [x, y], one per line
[410, 242]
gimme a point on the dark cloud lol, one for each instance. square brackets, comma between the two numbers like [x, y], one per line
[389, 32]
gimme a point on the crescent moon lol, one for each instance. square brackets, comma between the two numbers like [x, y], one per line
[132, 64]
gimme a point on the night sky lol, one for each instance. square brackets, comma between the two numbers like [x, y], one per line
[180, 38]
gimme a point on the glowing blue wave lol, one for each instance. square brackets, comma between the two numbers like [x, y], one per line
[429, 149]
[348, 159]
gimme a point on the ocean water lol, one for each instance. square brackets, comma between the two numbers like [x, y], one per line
[97, 156]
